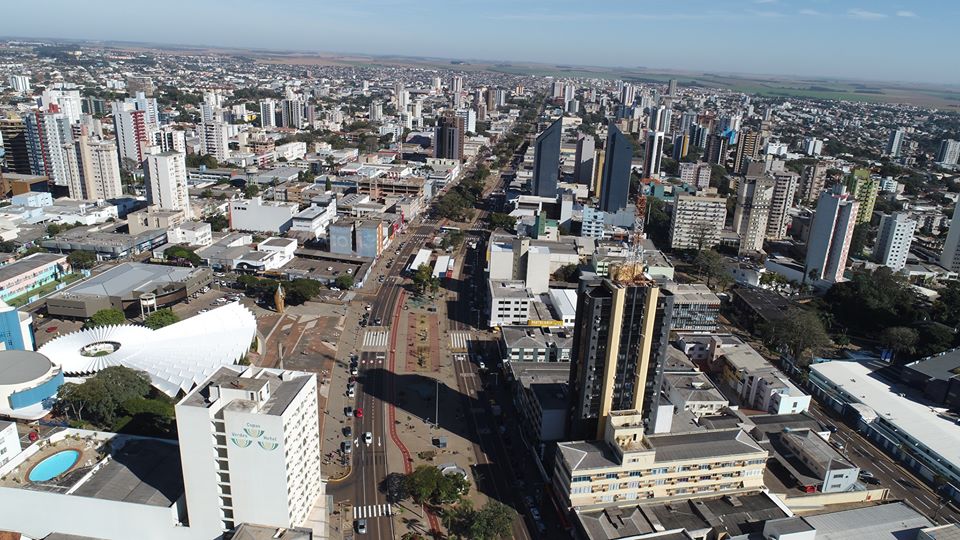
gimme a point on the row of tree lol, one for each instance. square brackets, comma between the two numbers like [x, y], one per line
[298, 291]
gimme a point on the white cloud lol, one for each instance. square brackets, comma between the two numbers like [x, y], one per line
[858, 13]
[810, 12]
[905, 13]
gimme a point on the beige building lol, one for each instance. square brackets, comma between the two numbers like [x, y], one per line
[697, 221]
[629, 466]
[94, 169]
[154, 218]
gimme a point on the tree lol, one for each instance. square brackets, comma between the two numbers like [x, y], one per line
[82, 259]
[327, 184]
[423, 280]
[251, 190]
[99, 399]
[569, 273]
[344, 281]
[7, 246]
[106, 317]
[300, 290]
[710, 264]
[492, 521]
[53, 229]
[502, 221]
[947, 307]
[422, 483]
[218, 222]
[394, 486]
[798, 332]
[182, 254]
[899, 339]
[160, 318]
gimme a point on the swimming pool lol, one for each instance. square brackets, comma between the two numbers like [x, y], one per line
[53, 466]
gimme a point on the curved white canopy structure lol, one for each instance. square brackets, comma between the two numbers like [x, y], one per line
[176, 357]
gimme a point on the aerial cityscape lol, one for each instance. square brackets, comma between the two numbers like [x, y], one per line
[282, 281]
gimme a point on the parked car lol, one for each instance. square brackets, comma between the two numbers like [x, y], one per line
[347, 446]
[347, 431]
[348, 411]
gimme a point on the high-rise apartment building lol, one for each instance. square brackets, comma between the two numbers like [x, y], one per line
[66, 98]
[94, 170]
[19, 83]
[895, 142]
[752, 213]
[546, 160]
[376, 111]
[249, 448]
[697, 222]
[167, 181]
[864, 189]
[456, 84]
[13, 135]
[681, 146]
[449, 136]
[268, 113]
[130, 126]
[715, 149]
[894, 239]
[615, 182]
[583, 164]
[695, 174]
[48, 136]
[748, 147]
[214, 140]
[949, 152]
[813, 181]
[950, 257]
[619, 346]
[627, 94]
[653, 154]
[812, 146]
[830, 234]
[170, 140]
[784, 191]
[687, 119]
[291, 113]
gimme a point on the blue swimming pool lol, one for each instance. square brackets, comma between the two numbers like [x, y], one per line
[53, 466]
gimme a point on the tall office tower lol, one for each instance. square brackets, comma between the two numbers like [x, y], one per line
[627, 94]
[546, 161]
[672, 88]
[19, 83]
[46, 135]
[784, 192]
[895, 143]
[491, 96]
[687, 119]
[653, 154]
[752, 213]
[864, 189]
[697, 222]
[291, 113]
[894, 239]
[615, 183]
[249, 448]
[169, 140]
[812, 146]
[715, 150]
[748, 147]
[94, 170]
[167, 181]
[813, 181]
[698, 136]
[949, 152]
[130, 127]
[456, 84]
[214, 140]
[681, 146]
[830, 234]
[449, 137]
[13, 133]
[950, 257]
[619, 346]
[268, 113]
[436, 85]
[67, 100]
[376, 111]
[584, 161]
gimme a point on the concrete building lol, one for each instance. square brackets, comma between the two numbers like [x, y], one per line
[167, 181]
[268, 113]
[748, 148]
[697, 221]
[695, 174]
[614, 188]
[214, 140]
[784, 191]
[509, 303]
[755, 383]
[864, 188]
[16, 329]
[583, 164]
[895, 143]
[616, 362]
[48, 136]
[695, 307]
[130, 127]
[752, 214]
[830, 235]
[33, 271]
[950, 256]
[894, 239]
[28, 383]
[535, 344]
[542, 399]
[628, 466]
[314, 220]
[835, 473]
[653, 154]
[94, 170]
[449, 137]
[257, 215]
[154, 218]
[949, 152]
[546, 161]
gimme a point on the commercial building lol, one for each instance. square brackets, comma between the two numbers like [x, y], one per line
[106, 245]
[755, 383]
[542, 398]
[154, 218]
[509, 303]
[257, 215]
[123, 286]
[13, 137]
[894, 239]
[628, 466]
[535, 344]
[314, 220]
[697, 221]
[16, 329]
[28, 383]
[546, 160]
[695, 307]
[31, 272]
[938, 377]
[754, 196]
[48, 137]
[449, 137]
[614, 186]
[804, 452]
[830, 235]
[583, 165]
[618, 354]
[748, 148]
[167, 181]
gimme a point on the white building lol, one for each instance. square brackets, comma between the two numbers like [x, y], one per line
[697, 221]
[509, 303]
[950, 258]
[315, 219]
[130, 127]
[214, 140]
[812, 146]
[831, 232]
[167, 181]
[19, 83]
[257, 215]
[894, 239]
[194, 233]
[268, 113]
[283, 250]
[291, 150]
[949, 152]
[752, 214]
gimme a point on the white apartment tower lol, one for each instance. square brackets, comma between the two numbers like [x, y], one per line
[131, 129]
[214, 140]
[167, 181]
[950, 258]
[653, 154]
[20, 83]
[894, 239]
[752, 213]
[830, 234]
[268, 113]
[250, 448]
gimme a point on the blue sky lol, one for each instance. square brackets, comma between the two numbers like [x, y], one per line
[889, 40]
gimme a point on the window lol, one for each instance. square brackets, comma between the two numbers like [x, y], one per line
[580, 479]
[611, 476]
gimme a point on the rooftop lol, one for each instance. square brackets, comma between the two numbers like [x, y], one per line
[894, 521]
[942, 367]
[29, 264]
[20, 367]
[142, 471]
[702, 444]
[131, 277]
[284, 387]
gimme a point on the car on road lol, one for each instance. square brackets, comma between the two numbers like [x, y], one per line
[361, 526]
[368, 438]
[837, 444]
[348, 411]
[831, 428]
[347, 447]
[353, 370]
[351, 392]
[358, 413]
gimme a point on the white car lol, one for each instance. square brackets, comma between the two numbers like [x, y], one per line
[368, 438]
[351, 392]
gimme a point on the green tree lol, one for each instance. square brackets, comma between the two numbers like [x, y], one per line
[947, 307]
[7, 247]
[424, 281]
[106, 317]
[344, 281]
[492, 521]
[82, 259]
[800, 332]
[568, 273]
[99, 399]
[181, 253]
[502, 221]
[54, 229]
[160, 318]
[710, 265]
[218, 222]
[327, 184]
[300, 290]
[251, 190]
[899, 340]
[394, 486]
[422, 483]
[872, 300]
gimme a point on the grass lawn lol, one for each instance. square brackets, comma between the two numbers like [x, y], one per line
[43, 290]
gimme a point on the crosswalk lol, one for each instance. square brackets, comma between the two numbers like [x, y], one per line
[458, 341]
[375, 338]
[372, 511]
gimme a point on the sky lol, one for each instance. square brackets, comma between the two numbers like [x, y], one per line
[883, 40]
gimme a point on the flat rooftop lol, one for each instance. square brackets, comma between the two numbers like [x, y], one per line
[282, 389]
[29, 264]
[702, 444]
[892, 521]
[127, 278]
[142, 471]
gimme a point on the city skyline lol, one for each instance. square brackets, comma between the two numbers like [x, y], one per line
[885, 40]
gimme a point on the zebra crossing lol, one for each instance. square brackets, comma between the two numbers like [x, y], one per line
[458, 341]
[373, 339]
[372, 511]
